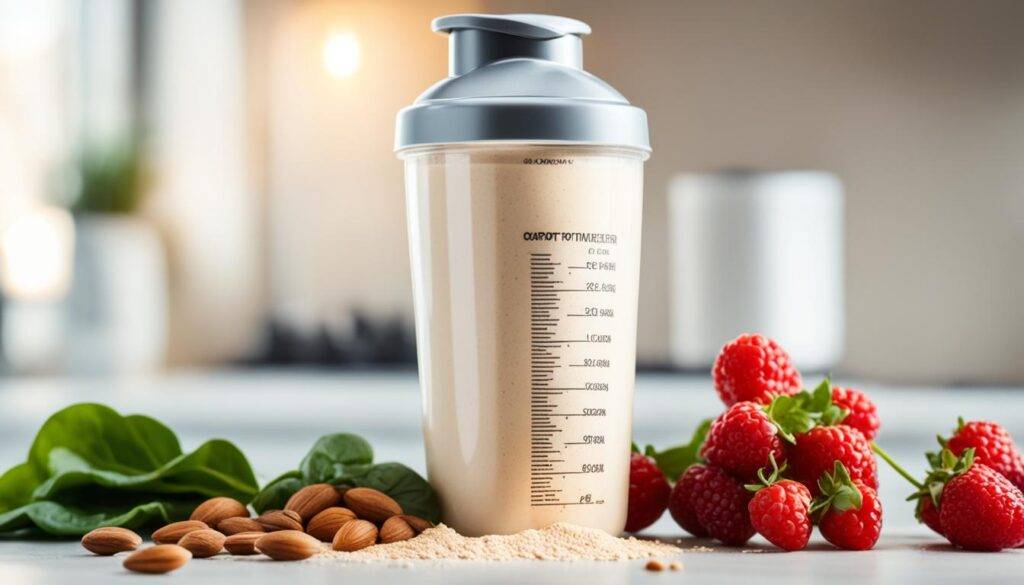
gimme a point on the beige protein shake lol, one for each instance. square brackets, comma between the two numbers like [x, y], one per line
[525, 257]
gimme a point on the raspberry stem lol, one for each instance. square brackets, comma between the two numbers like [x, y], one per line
[896, 466]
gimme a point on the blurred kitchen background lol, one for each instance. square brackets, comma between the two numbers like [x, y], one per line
[196, 183]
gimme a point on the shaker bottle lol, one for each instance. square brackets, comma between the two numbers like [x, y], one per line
[524, 187]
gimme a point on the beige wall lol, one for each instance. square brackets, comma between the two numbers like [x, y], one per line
[917, 105]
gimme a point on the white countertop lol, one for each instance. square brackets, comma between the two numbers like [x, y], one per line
[274, 416]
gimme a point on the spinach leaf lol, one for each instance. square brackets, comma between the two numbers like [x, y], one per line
[404, 485]
[89, 466]
[276, 493]
[675, 460]
[346, 460]
[332, 454]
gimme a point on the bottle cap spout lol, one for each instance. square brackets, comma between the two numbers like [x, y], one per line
[479, 39]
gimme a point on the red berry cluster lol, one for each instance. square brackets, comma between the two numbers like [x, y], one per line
[775, 462]
[972, 494]
[780, 460]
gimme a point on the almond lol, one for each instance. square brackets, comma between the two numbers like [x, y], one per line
[288, 545]
[243, 543]
[173, 532]
[326, 524]
[313, 499]
[395, 529]
[214, 510]
[355, 535]
[370, 504]
[274, 520]
[202, 543]
[417, 524]
[161, 558]
[236, 525]
[111, 540]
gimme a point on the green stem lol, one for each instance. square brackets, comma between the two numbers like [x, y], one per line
[892, 463]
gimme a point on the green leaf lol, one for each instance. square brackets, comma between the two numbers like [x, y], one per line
[404, 485]
[675, 460]
[332, 454]
[276, 493]
[90, 466]
[837, 491]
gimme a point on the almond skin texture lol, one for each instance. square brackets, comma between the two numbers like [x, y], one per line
[313, 499]
[355, 535]
[370, 504]
[111, 540]
[237, 525]
[202, 543]
[162, 558]
[214, 510]
[275, 520]
[396, 529]
[327, 523]
[288, 545]
[417, 524]
[173, 532]
[243, 543]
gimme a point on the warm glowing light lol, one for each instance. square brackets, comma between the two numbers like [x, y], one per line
[36, 251]
[341, 54]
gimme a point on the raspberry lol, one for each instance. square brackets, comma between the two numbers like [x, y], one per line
[862, 414]
[781, 513]
[817, 450]
[981, 510]
[720, 503]
[754, 368]
[648, 493]
[993, 446]
[680, 504]
[855, 528]
[742, 441]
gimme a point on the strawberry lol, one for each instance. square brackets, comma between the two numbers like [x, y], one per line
[849, 512]
[993, 446]
[861, 412]
[720, 504]
[817, 450]
[780, 510]
[680, 503]
[648, 493]
[753, 368]
[928, 513]
[981, 510]
[742, 441]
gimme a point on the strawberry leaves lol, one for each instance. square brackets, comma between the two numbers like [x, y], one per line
[801, 412]
[837, 492]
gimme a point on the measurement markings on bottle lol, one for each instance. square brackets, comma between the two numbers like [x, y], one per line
[571, 308]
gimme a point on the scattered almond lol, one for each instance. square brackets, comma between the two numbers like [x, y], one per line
[162, 558]
[417, 524]
[288, 545]
[675, 566]
[395, 529]
[326, 524]
[313, 499]
[370, 504]
[173, 532]
[274, 520]
[243, 543]
[111, 540]
[214, 510]
[355, 535]
[238, 525]
[654, 565]
[202, 543]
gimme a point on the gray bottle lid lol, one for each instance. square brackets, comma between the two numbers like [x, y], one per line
[520, 78]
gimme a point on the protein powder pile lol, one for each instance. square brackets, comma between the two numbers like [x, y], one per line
[559, 542]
